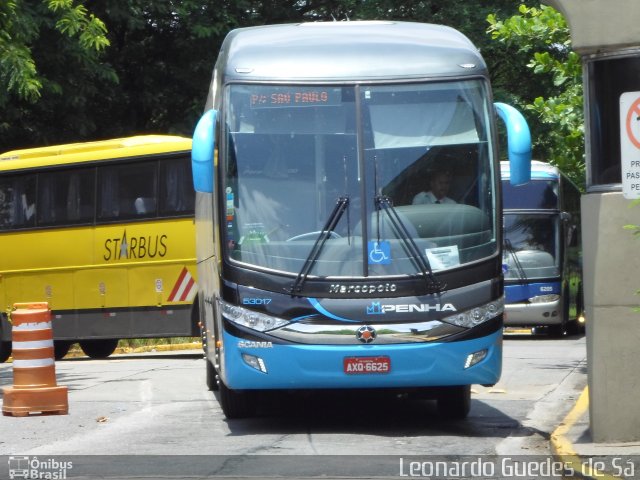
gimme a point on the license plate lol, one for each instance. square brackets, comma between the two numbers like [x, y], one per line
[358, 365]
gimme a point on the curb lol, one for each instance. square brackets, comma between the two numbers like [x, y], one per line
[562, 449]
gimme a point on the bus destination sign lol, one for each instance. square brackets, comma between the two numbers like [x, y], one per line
[295, 97]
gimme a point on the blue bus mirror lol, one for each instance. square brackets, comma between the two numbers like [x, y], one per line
[202, 152]
[518, 143]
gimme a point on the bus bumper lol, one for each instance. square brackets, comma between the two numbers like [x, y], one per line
[532, 314]
[323, 366]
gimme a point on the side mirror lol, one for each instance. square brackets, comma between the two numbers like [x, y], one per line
[518, 143]
[203, 151]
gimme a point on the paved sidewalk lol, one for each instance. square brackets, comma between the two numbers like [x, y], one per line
[571, 444]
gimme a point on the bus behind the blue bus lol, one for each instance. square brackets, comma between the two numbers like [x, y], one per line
[542, 259]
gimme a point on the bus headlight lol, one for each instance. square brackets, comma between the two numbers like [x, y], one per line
[248, 318]
[477, 315]
[545, 298]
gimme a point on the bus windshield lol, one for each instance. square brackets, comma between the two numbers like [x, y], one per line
[294, 152]
[531, 246]
[537, 194]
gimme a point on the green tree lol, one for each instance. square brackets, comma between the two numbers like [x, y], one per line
[49, 59]
[20, 26]
[542, 35]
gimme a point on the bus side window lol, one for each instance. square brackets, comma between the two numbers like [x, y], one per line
[17, 201]
[6, 204]
[65, 197]
[176, 188]
[127, 191]
[80, 196]
[47, 187]
[28, 201]
[108, 193]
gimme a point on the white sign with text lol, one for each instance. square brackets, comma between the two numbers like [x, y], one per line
[630, 144]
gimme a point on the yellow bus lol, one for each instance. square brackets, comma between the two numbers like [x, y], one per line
[104, 232]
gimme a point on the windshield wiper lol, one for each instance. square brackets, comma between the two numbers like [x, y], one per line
[433, 285]
[325, 234]
[516, 261]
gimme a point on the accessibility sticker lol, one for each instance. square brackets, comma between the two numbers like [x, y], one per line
[379, 252]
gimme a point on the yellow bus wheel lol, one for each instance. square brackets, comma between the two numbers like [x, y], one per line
[61, 348]
[99, 348]
[5, 351]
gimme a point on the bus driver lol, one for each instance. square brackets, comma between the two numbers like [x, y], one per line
[440, 183]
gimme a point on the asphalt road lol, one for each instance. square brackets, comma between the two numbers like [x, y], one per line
[142, 406]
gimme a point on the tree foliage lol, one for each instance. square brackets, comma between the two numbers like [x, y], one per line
[542, 35]
[22, 24]
[50, 63]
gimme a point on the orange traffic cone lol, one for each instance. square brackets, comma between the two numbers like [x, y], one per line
[34, 371]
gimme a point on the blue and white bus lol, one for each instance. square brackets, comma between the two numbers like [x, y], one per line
[316, 269]
[542, 259]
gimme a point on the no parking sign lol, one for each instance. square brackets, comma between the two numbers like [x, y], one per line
[630, 143]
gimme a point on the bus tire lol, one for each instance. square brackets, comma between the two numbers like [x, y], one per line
[196, 324]
[204, 339]
[562, 329]
[212, 376]
[99, 348]
[5, 351]
[234, 403]
[61, 348]
[454, 403]
[580, 327]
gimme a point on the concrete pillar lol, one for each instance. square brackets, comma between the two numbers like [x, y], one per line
[600, 25]
[611, 266]
[604, 29]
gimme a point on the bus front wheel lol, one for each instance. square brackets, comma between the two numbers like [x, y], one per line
[99, 348]
[234, 403]
[455, 402]
[562, 329]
